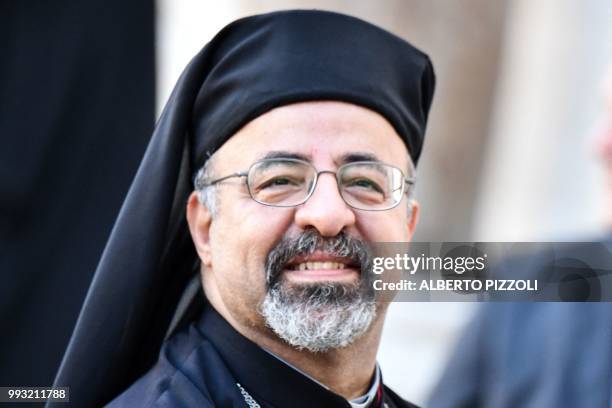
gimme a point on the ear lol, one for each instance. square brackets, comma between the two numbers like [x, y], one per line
[199, 219]
[412, 222]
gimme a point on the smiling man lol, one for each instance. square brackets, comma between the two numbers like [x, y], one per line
[302, 130]
[283, 251]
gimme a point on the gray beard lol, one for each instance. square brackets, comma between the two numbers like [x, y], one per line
[322, 316]
[315, 318]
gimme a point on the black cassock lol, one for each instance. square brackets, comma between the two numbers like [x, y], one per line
[210, 364]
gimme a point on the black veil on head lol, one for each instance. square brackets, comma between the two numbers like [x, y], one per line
[251, 66]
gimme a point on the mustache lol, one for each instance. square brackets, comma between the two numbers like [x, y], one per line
[342, 245]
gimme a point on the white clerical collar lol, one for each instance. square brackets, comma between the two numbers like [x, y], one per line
[359, 402]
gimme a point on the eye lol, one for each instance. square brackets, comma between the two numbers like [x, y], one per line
[278, 182]
[365, 184]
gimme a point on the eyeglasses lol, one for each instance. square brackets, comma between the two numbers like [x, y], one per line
[285, 182]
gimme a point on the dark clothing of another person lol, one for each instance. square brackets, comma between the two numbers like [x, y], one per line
[532, 355]
[539, 355]
[209, 364]
[77, 106]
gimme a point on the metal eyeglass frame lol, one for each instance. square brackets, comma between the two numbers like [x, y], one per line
[409, 181]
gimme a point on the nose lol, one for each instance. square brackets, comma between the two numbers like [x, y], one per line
[325, 210]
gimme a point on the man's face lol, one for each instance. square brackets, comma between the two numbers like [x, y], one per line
[236, 244]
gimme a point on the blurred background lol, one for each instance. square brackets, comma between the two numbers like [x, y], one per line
[509, 152]
[508, 156]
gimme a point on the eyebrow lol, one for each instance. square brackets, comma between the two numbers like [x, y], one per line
[358, 156]
[343, 159]
[284, 154]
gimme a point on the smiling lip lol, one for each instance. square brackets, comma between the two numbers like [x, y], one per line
[320, 266]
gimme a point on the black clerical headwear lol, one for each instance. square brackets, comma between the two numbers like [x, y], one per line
[251, 66]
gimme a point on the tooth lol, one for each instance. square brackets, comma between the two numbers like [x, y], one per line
[319, 265]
